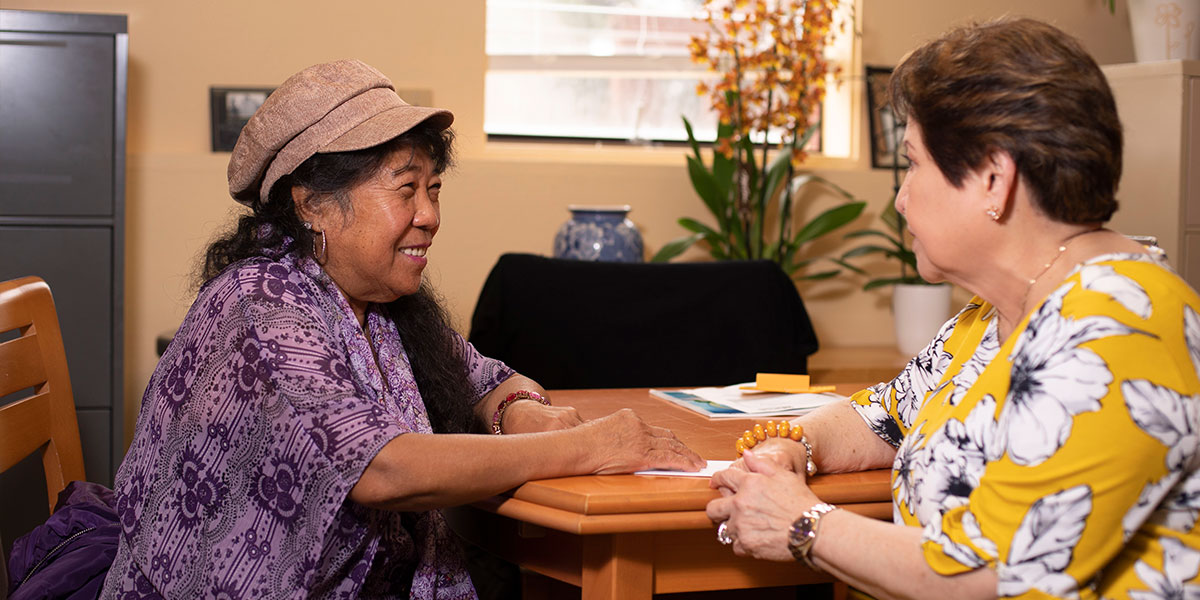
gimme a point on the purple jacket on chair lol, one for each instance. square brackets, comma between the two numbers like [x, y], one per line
[68, 555]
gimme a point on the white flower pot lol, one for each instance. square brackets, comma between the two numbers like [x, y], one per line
[919, 311]
[1165, 29]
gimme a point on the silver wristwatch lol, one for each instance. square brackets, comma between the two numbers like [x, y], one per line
[804, 532]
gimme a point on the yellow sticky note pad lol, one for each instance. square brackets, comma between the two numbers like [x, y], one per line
[778, 381]
[785, 383]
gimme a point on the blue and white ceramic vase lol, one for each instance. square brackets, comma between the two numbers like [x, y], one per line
[599, 233]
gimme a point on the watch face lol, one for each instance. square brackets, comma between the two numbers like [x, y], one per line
[801, 537]
[805, 525]
[804, 531]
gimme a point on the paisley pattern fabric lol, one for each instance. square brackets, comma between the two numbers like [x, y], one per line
[259, 419]
[1066, 456]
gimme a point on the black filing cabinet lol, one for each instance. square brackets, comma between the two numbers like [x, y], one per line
[62, 215]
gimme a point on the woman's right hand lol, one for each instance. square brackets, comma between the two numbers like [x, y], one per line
[786, 453]
[623, 443]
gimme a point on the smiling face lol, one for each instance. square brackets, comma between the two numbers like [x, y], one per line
[376, 251]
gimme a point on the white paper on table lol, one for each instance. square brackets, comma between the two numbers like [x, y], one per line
[712, 467]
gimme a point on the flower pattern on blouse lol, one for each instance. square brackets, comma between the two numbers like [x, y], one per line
[1066, 457]
[259, 419]
[1043, 544]
[1180, 565]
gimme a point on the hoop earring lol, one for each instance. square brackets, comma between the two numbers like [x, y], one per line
[994, 214]
[318, 256]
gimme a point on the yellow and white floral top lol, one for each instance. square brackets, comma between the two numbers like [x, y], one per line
[1065, 457]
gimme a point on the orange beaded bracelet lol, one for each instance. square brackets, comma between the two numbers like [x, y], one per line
[782, 429]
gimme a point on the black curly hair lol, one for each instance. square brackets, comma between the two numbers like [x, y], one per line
[432, 347]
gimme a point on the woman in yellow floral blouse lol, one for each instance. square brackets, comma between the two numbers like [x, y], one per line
[1045, 444]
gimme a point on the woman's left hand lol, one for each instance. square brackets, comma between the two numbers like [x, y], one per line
[759, 504]
[528, 416]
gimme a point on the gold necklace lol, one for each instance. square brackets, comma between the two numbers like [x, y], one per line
[1062, 248]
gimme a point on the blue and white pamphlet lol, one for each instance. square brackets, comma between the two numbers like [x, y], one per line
[734, 402]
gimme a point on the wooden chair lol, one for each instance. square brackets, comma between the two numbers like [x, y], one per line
[33, 368]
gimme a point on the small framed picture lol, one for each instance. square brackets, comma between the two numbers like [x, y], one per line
[230, 109]
[887, 129]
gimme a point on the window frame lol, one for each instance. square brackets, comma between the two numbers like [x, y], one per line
[581, 149]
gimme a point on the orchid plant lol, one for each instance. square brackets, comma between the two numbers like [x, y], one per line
[773, 73]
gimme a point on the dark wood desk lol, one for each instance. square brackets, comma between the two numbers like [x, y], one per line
[628, 536]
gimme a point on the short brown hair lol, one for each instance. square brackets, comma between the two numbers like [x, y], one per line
[1027, 88]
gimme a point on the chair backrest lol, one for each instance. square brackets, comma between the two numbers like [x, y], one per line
[577, 324]
[33, 370]
[3, 574]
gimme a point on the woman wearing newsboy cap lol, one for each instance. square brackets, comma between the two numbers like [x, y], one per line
[313, 412]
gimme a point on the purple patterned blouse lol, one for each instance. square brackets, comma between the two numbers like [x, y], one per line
[260, 417]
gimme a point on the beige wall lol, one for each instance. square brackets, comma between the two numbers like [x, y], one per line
[500, 199]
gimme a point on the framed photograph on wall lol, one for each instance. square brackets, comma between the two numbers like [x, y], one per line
[887, 129]
[230, 109]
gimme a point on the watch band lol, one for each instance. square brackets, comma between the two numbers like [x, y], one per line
[803, 532]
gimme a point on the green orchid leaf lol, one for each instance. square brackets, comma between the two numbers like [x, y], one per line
[723, 168]
[771, 252]
[802, 180]
[793, 268]
[717, 242]
[828, 221]
[893, 219]
[897, 244]
[819, 276]
[687, 125]
[738, 247]
[738, 252]
[756, 238]
[807, 135]
[777, 171]
[848, 266]
[676, 247]
[706, 188]
[697, 227]
[870, 249]
[895, 249]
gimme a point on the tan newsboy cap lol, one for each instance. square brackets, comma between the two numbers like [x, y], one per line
[331, 107]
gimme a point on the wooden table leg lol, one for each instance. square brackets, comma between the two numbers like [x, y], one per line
[618, 567]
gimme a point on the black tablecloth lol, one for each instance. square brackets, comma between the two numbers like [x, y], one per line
[574, 324]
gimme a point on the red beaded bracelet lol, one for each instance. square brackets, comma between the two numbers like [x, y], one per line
[513, 397]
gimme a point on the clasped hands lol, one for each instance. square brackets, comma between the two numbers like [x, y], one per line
[762, 493]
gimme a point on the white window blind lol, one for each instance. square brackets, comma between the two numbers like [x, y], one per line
[612, 70]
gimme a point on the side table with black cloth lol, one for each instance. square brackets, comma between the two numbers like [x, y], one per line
[574, 324]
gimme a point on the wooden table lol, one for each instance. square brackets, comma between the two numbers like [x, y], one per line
[628, 536]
